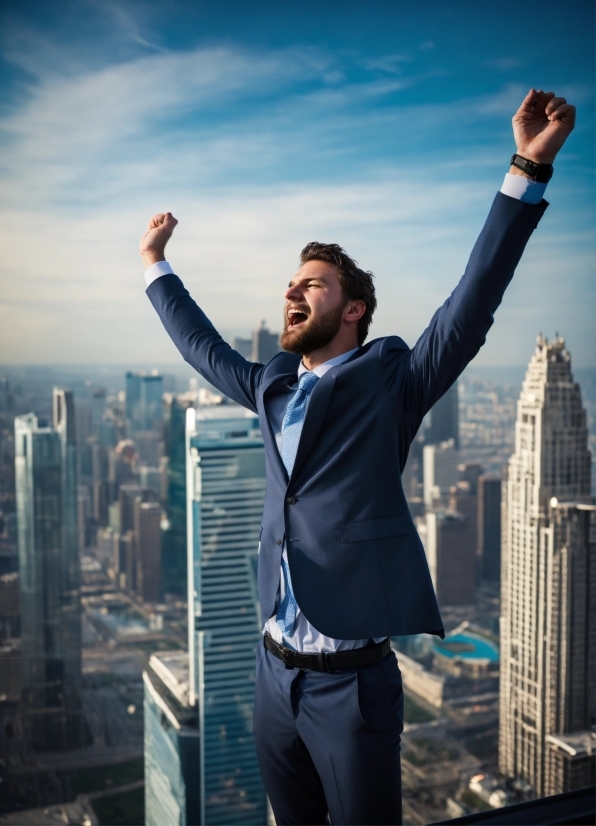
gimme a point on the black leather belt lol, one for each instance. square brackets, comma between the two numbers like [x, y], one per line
[328, 662]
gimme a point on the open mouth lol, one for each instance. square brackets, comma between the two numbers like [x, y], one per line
[296, 317]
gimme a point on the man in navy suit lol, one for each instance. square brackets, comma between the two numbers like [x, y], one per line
[341, 566]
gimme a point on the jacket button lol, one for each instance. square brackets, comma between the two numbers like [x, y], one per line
[278, 541]
[291, 500]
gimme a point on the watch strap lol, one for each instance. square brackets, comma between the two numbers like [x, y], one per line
[539, 172]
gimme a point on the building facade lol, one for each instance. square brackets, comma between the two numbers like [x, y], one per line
[570, 761]
[444, 419]
[439, 470]
[200, 759]
[264, 345]
[225, 496]
[547, 574]
[451, 554]
[46, 495]
[174, 538]
[489, 527]
[148, 550]
[172, 752]
[144, 404]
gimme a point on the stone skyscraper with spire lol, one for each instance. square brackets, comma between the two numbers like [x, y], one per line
[548, 585]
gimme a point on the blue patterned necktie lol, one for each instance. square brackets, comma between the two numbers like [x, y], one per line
[290, 437]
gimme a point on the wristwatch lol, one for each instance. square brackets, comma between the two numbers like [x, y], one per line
[539, 172]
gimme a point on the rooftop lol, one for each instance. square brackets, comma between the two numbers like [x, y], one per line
[166, 683]
[172, 669]
[575, 743]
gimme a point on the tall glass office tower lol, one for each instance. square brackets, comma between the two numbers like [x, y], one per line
[172, 747]
[174, 538]
[46, 493]
[225, 495]
[225, 489]
[144, 404]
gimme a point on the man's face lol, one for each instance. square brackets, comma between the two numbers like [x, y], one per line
[315, 304]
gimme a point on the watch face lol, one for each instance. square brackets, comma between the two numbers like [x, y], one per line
[540, 172]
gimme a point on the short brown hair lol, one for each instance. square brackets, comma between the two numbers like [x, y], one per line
[356, 283]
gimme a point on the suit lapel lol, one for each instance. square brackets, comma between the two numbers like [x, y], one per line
[317, 407]
[284, 377]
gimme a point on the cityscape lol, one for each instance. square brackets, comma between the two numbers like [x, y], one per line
[132, 533]
[130, 508]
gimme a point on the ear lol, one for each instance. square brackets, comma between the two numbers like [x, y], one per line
[354, 311]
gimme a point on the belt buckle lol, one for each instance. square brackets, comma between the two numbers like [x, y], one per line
[324, 662]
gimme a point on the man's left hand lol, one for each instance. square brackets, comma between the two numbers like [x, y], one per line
[541, 126]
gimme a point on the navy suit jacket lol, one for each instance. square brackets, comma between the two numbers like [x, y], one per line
[357, 564]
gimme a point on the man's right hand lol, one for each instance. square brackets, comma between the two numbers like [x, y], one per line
[153, 243]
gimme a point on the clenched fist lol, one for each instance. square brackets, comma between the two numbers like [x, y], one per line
[153, 242]
[541, 126]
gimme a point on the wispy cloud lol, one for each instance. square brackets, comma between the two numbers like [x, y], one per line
[503, 64]
[196, 118]
[257, 152]
[390, 63]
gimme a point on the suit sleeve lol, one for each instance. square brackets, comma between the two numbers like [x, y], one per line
[201, 345]
[458, 329]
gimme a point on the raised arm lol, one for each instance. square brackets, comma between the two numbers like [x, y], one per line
[458, 329]
[189, 328]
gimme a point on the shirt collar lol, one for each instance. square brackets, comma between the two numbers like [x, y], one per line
[327, 365]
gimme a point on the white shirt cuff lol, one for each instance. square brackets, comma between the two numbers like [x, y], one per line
[156, 271]
[522, 188]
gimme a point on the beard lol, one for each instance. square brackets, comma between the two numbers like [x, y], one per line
[313, 334]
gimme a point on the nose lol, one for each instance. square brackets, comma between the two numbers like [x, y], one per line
[293, 293]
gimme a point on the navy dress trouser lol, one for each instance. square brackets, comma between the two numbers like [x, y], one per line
[330, 743]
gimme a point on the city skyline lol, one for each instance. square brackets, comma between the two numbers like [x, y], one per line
[126, 470]
[388, 132]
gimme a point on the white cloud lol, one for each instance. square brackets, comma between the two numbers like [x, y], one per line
[119, 113]
[76, 294]
[390, 63]
[88, 157]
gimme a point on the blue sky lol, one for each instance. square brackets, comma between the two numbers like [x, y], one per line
[383, 126]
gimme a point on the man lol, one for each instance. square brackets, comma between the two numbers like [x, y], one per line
[341, 567]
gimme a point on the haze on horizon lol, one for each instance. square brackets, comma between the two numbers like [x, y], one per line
[384, 128]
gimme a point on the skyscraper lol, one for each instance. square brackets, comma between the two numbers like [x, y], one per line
[64, 425]
[440, 471]
[548, 571]
[242, 346]
[451, 553]
[264, 344]
[144, 406]
[172, 745]
[174, 538]
[10, 662]
[489, 527]
[444, 419]
[148, 549]
[209, 694]
[225, 495]
[46, 491]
